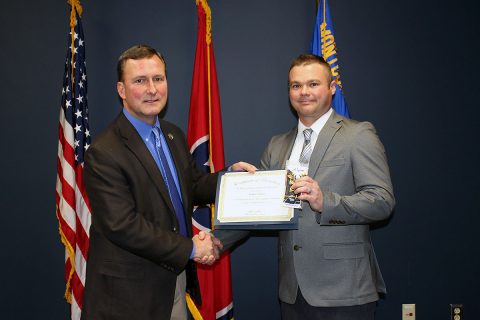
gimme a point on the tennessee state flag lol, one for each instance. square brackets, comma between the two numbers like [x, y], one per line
[323, 44]
[204, 137]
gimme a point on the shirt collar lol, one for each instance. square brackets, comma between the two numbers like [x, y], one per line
[144, 129]
[317, 126]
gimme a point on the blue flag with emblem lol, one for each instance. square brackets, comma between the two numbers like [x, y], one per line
[324, 45]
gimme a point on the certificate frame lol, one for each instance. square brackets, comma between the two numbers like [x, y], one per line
[278, 217]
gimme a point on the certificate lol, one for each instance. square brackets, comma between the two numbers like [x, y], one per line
[253, 201]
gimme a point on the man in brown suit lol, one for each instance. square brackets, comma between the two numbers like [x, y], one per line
[142, 184]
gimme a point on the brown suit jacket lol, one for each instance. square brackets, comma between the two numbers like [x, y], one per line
[136, 251]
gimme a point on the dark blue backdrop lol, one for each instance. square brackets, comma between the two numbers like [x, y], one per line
[409, 67]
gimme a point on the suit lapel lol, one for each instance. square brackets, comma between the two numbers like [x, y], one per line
[323, 142]
[135, 144]
[286, 148]
[173, 141]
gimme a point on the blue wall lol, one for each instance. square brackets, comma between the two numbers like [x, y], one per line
[410, 69]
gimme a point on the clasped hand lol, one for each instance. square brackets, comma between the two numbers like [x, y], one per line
[207, 248]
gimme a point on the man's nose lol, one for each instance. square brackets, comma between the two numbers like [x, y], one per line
[304, 90]
[151, 87]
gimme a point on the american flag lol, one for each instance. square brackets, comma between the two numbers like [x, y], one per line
[72, 205]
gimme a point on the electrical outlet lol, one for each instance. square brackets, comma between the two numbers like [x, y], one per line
[408, 311]
[456, 311]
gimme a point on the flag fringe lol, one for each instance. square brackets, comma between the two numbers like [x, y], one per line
[208, 40]
[71, 258]
[76, 8]
[208, 14]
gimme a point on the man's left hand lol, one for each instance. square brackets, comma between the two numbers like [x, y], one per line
[309, 190]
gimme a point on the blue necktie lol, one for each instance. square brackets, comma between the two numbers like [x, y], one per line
[172, 188]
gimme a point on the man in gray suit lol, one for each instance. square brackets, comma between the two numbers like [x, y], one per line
[327, 268]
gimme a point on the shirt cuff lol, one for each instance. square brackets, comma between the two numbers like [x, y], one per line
[193, 251]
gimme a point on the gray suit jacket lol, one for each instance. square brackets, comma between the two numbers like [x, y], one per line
[330, 257]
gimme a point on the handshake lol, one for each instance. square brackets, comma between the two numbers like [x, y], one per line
[207, 248]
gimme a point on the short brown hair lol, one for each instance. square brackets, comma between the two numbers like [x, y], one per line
[137, 52]
[306, 59]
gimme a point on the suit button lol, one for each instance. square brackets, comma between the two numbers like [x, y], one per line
[174, 229]
[296, 247]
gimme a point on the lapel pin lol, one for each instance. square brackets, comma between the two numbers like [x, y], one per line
[170, 136]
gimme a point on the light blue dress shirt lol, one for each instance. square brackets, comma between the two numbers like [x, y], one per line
[145, 131]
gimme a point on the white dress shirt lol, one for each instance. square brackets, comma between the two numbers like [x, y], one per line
[317, 126]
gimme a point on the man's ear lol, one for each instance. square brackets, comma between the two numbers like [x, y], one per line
[121, 89]
[333, 87]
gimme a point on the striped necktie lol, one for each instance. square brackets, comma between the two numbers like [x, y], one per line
[307, 146]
